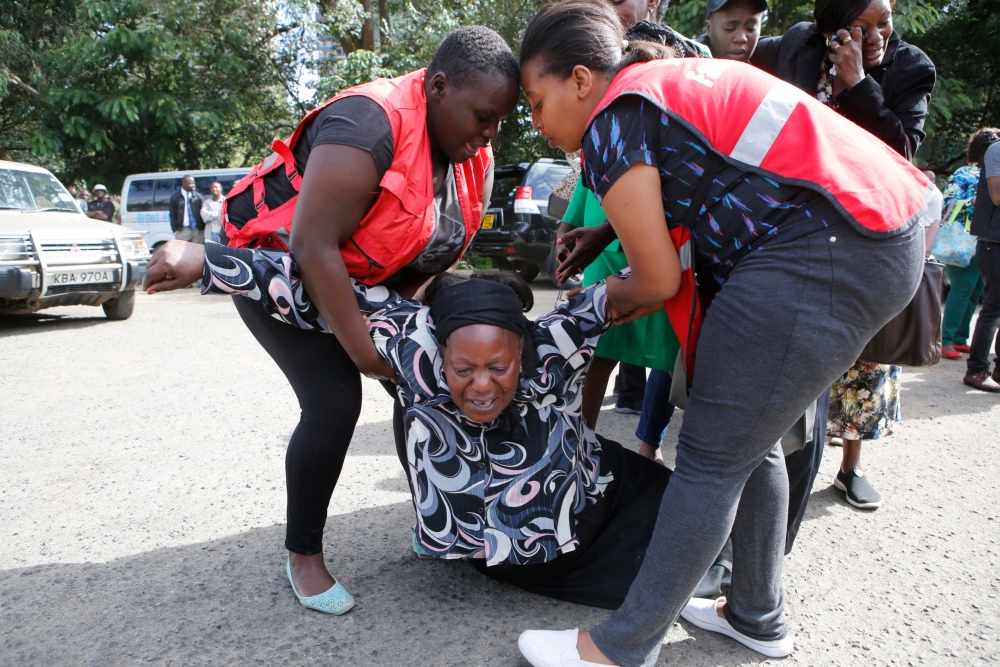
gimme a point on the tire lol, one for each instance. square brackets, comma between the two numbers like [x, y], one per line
[121, 307]
[527, 270]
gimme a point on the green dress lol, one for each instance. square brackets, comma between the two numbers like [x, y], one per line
[648, 342]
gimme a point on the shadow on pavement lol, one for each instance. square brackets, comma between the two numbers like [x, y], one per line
[227, 602]
[21, 325]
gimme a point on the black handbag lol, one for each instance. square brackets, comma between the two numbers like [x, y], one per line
[913, 338]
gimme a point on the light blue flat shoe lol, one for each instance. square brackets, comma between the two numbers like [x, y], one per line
[335, 601]
[418, 549]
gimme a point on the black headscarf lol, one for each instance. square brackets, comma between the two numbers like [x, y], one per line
[476, 301]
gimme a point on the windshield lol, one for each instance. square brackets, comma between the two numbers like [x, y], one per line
[544, 177]
[33, 191]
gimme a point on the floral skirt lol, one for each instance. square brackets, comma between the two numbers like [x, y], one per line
[865, 402]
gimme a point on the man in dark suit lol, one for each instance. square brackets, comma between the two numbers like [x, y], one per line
[185, 213]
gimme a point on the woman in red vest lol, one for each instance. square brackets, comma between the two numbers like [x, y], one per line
[386, 184]
[788, 212]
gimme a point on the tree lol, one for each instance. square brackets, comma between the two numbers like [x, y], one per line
[126, 86]
[964, 44]
[409, 41]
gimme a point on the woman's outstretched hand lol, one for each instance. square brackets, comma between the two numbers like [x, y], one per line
[590, 242]
[176, 264]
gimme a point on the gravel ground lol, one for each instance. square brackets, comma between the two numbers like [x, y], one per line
[142, 514]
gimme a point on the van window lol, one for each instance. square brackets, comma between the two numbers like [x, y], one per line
[140, 196]
[165, 188]
[227, 181]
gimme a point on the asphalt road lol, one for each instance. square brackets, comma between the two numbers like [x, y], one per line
[142, 511]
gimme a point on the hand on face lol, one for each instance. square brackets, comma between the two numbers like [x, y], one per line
[482, 365]
[846, 56]
[865, 44]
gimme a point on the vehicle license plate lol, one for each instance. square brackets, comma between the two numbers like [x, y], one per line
[488, 220]
[82, 277]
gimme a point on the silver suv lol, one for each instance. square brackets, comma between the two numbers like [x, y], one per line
[51, 254]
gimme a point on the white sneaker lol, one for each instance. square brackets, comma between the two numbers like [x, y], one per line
[550, 648]
[701, 612]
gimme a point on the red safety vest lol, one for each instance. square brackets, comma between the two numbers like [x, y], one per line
[400, 222]
[762, 124]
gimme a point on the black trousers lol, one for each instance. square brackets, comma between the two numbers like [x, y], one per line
[989, 316]
[328, 387]
[613, 535]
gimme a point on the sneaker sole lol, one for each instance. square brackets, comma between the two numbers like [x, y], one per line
[759, 647]
[627, 411]
[865, 506]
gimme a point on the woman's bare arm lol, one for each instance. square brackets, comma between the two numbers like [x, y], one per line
[634, 207]
[339, 187]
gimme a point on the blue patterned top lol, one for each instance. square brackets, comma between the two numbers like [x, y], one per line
[509, 491]
[744, 211]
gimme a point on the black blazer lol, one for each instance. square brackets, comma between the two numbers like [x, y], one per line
[178, 217]
[891, 102]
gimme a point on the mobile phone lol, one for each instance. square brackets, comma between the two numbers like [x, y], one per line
[836, 37]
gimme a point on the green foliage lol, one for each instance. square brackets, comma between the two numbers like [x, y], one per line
[126, 86]
[964, 44]
[409, 41]
[103, 88]
[359, 67]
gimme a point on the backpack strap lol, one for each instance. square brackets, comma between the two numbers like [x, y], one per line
[291, 171]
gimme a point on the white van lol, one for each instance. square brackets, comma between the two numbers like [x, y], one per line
[145, 203]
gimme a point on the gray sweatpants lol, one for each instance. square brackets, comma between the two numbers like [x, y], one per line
[790, 320]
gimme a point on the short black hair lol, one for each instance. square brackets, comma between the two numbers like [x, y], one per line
[471, 52]
[980, 141]
[832, 15]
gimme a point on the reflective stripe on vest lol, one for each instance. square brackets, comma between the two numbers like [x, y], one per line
[763, 124]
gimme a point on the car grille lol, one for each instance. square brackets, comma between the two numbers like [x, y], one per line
[86, 252]
[55, 290]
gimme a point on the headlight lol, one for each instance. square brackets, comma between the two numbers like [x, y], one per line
[13, 249]
[134, 247]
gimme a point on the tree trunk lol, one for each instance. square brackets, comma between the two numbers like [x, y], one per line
[368, 27]
[4, 155]
[385, 36]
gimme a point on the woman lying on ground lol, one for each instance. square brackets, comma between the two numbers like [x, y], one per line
[789, 213]
[503, 470]
[387, 182]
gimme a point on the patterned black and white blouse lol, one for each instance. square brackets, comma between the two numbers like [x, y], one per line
[505, 492]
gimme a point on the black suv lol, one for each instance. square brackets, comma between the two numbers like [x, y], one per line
[516, 232]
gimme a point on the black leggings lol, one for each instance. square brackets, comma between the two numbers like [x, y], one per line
[328, 386]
